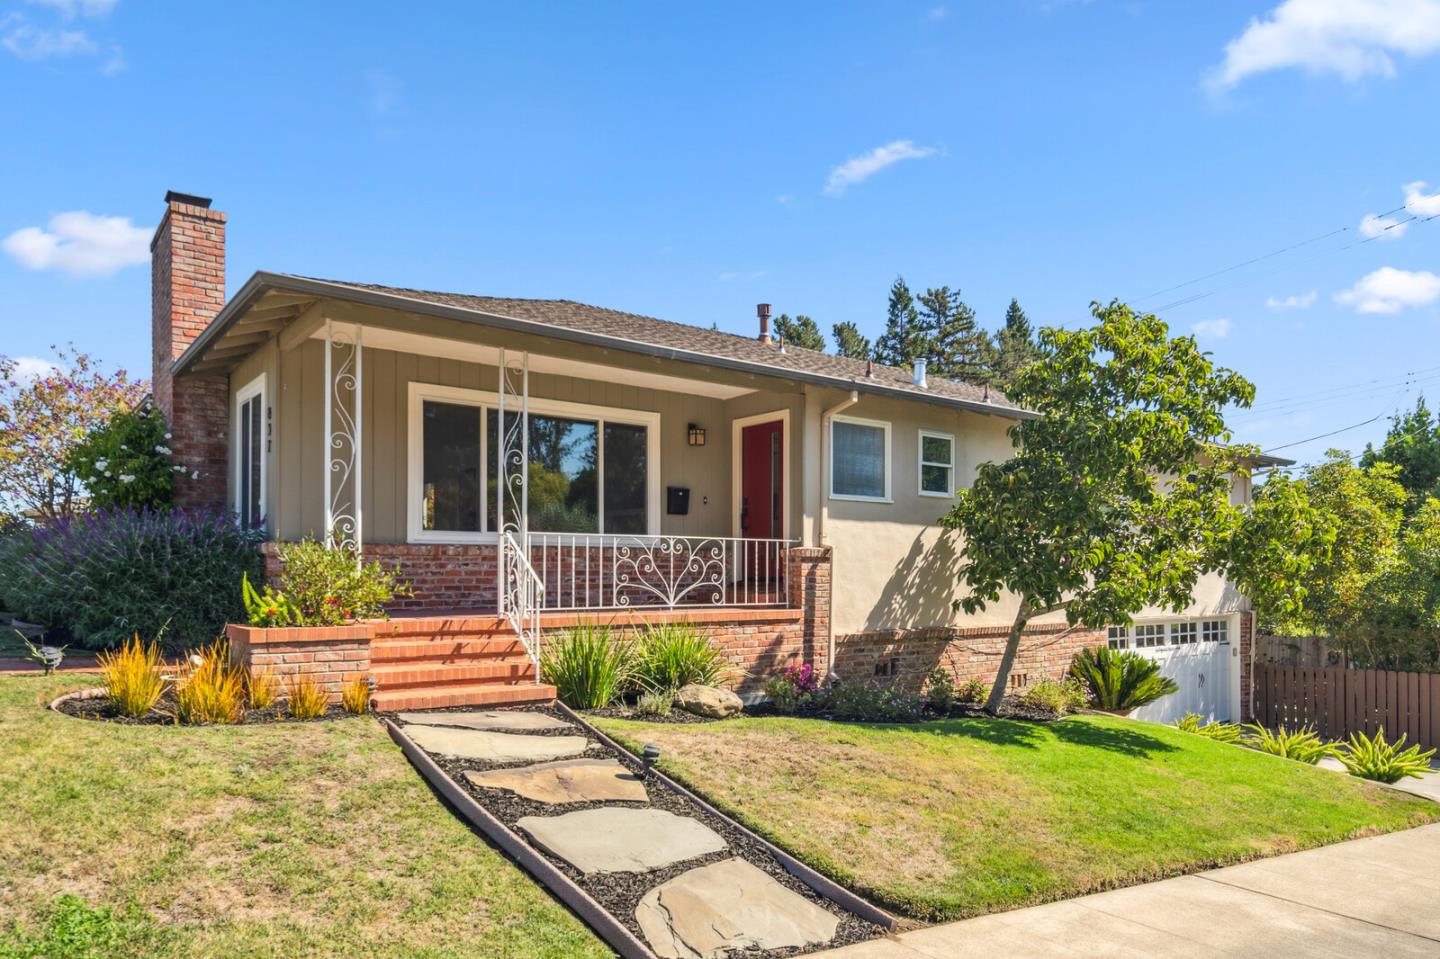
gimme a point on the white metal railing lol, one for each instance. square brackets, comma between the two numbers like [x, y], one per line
[610, 571]
[521, 596]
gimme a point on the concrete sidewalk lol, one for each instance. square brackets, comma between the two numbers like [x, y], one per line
[1369, 897]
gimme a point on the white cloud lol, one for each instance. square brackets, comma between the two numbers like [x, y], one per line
[1389, 290]
[1383, 227]
[1419, 201]
[69, 9]
[29, 42]
[28, 369]
[1351, 38]
[1299, 301]
[81, 244]
[861, 168]
[1216, 329]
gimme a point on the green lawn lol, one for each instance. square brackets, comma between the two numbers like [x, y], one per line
[950, 819]
[286, 841]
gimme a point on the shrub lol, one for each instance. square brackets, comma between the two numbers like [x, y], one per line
[657, 703]
[211, 688]
[973, 691]
[107, 575]
[1303, 744]
[132, 677]
[355, 695]
[261, 688]
[1374, 758]
[1055, 696]
[587, 666]
[940, 690]
[677, 654]
[794, 686]
[305, 697]
[329, 586]
[1220, 732]
[267, 608]
[871, 702]
[125, 462]
[1118, 681]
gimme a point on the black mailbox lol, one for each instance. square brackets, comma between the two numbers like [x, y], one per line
[677, 500]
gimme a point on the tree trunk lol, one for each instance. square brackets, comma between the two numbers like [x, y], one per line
[1007, 661]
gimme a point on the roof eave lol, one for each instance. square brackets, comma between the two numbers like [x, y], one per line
[263, 282]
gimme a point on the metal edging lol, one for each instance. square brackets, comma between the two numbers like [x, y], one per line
[823, 885]
[610, 929]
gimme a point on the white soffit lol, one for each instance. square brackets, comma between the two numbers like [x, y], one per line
[382, 338]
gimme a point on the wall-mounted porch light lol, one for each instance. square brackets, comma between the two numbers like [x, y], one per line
[697, 435]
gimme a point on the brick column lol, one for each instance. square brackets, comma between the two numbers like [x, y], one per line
[808, 574]
[1247, 655]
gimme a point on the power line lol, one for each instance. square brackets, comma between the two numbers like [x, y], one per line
[1343, 429]
[1245, 263]
[1285, 400]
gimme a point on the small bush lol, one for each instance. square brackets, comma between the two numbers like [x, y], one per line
[793, 687]
[871, 702]
[267, 608]
[1220, 732]
[1118, 681]
[330, 587]
[657, 703]
[305, 697]
[125, 463]
[355, 695]
[588, 667]
[211, 689]
[972, 692]
[105, 576]
[677, 654]
[1374, 758]
[940, 692]
[74, 930]
[261, 688]
[1303, 744]
[132, 677]
[1055, 696]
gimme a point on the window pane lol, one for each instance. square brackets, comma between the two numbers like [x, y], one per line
[563, 481]
[252, 468]
[625, 474]
[935, 479]
[451, 441]
[935, 449]
[858, 460]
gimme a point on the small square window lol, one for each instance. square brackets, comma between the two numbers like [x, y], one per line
[1118, 637]
[1152, 634]
[937, 464]
[1181, 633]
[1215, 631]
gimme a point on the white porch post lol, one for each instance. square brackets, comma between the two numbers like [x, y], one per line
[344, 425]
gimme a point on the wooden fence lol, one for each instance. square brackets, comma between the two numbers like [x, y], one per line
[1338, 701]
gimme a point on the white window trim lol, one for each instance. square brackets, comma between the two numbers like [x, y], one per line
[245, 394]
[487, 400]
[858, 421]
[920, 471]
[737, 429]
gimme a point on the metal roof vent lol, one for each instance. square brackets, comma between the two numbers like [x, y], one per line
[920, 373]
[762, 310]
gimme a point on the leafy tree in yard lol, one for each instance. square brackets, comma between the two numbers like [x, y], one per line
[1401, 606]
[801, 331]
[126, 461]
[905, 338]
[957, 346]
[42, 418]
[1413, 445]
[1015, 345]
[849, 342]
[1118, 495]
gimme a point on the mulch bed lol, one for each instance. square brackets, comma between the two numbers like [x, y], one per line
[676, 715]
[620, 893]
[165, 713]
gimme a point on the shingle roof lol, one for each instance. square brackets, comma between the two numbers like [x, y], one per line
[667, 334]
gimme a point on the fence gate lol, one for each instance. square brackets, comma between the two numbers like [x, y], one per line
[1338, 702]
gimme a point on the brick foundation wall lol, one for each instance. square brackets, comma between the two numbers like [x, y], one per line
[331, 655]
[967, 652]
[187, 291]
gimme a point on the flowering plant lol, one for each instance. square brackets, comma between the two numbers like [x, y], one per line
[331, 586]
[803, 677]
[125, 461]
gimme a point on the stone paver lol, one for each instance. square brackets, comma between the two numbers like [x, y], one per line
[494, 720]
[568, 780]
[621, 839]
[728, 905]
[1369, 897]
[493, 747]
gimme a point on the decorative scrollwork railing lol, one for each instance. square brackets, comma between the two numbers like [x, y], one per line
[522, 594]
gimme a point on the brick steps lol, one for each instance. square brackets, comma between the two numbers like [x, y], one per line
[448, 660]
[463, 694]
[437, 674]
[445, 651]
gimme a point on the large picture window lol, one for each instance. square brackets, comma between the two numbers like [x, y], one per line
[590, 470]
[859, 459]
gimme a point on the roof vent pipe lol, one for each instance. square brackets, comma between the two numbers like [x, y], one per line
[762, 310]
[920, 373]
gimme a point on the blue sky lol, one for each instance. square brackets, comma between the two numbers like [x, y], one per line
[689, 161]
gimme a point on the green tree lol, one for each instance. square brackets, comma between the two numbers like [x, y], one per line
[801, 331]
[1015, 345]
[958, 347]
[1413, 445]
[1400, 607]
[905, 338]
[126, 462]
[1118, 495]
[849, 342]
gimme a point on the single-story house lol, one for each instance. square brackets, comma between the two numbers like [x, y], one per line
[531, 464]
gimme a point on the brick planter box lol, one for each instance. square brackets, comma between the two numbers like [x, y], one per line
[331, 655]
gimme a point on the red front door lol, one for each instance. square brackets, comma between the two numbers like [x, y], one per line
[762, 494]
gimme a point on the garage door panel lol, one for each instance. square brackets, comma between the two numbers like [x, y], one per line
[1196, 654]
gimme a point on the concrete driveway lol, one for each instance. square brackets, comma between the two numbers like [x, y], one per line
[1369, 897]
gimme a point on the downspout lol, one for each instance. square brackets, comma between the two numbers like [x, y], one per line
[825, 418]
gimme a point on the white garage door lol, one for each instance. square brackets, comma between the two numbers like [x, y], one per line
[1197, 654]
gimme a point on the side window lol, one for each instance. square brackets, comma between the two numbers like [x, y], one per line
[937, 464]
[250, 451]
[859, 459]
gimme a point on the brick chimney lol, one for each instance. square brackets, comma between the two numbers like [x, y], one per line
[187, 290]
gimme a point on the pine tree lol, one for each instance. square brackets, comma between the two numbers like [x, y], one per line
[1016, 345]
[904, 339]
[958, 347]
[1412, 444]
[801, 331]
[849, 342]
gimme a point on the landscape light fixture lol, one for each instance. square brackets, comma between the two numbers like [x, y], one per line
[650, 756]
